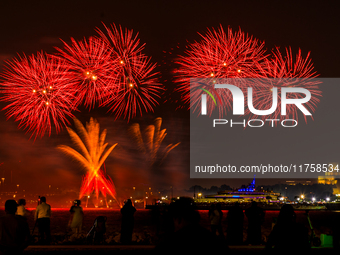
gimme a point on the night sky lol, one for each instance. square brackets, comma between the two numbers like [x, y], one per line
[164, 26]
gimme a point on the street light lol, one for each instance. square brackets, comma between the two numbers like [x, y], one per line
[328, 199]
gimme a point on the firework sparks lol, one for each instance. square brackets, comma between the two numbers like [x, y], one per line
[39, 93]
[92, 157]
[137, 93]
[286, 71]
[221, 56]
[136, 80]
[92, 68]
[151, 144]
[218, 55]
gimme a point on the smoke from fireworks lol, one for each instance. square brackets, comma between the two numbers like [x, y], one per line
[39, 93]
[91, 156]
[138, 87]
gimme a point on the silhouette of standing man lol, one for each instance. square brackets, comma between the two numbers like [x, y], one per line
[255, 217]
[235, 219]
[188, 236]
[216, 215]
[76, 220]
[287, 235]
[42, 216]
[127, 212]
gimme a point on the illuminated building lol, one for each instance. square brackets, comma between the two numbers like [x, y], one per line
[330, 176]
[293, 183]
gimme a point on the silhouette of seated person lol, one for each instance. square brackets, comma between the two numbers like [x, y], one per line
[14, 231]
[287, 235]
[188, 236]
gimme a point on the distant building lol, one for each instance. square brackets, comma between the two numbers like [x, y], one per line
[330, 177]
[293, 183]
[330, 180]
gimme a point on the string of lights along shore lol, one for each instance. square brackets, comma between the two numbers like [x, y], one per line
[110, 70]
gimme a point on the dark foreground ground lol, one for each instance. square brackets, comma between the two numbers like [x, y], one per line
[146, 249]
[144, 237]
[145, 224]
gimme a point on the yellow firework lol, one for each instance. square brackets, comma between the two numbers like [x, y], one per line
[150, 142]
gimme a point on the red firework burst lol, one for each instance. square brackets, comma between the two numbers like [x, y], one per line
[124, 45]
[218, 55]
[286, 71]
[39, 93]
[99, 184]
[91, 68]
[137, 85]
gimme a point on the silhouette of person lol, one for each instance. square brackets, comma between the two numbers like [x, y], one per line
[255, 217]
[21, 210]
[287, 234]
[14, 231]
[157, 216]
[235, 219]
[188, 236]
[336, 235]
[42, 216]
[211, 213]
[76, 220]
[127, 212]
[215, 216]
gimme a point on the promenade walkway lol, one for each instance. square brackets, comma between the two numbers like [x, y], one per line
[139, 249]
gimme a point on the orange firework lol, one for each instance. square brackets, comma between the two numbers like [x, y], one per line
[91, 156]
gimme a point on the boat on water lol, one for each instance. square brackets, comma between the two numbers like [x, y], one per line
[266, 199]
[243, 195]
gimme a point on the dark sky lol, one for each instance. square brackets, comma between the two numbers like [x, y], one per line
[31, 26]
